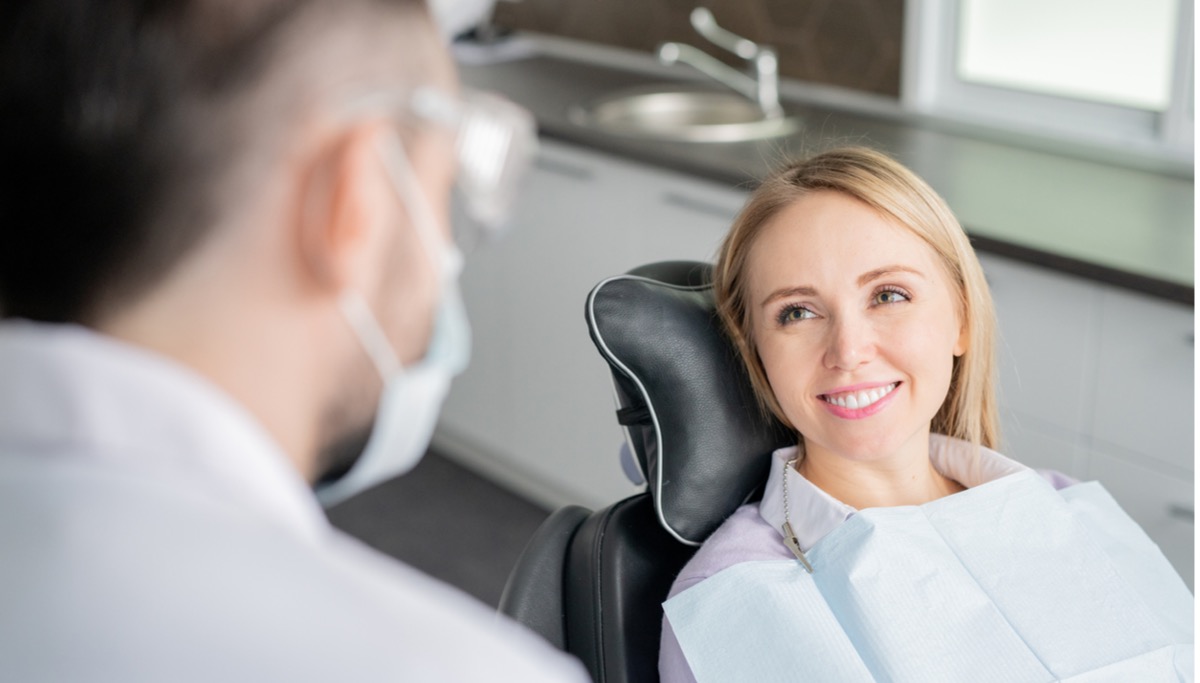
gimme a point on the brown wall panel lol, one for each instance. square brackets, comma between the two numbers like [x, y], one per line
[849, 43]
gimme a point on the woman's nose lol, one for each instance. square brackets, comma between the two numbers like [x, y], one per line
[851, 344]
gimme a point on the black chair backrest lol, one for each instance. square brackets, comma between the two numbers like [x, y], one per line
[691, 415]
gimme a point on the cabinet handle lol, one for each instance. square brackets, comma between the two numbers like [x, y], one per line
[1190, 338]
[699, 206]
[1184, 513]
[565, 169]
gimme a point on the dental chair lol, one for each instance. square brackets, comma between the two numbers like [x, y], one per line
[593, 583]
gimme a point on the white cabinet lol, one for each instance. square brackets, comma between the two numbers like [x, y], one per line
[535, 409]
[1097, 382]
[1045, 353]
[1144, 389]
[1161, 504]
[1045, 342]
[1141, 427]
[1041, 446]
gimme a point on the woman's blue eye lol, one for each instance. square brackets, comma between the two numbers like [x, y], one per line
[890, 296]
[793, 314]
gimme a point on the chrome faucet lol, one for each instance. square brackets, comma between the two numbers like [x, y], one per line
[762, 88]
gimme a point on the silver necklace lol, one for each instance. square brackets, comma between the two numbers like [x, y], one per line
[789, 536]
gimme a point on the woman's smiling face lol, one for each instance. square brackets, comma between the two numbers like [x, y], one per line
[856, 325]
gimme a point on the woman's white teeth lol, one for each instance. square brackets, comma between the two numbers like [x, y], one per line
[861, 399]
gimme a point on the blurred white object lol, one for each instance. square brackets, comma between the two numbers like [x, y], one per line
[454, 17]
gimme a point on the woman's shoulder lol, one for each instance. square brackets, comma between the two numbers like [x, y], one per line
[973, 466]
[744, 537]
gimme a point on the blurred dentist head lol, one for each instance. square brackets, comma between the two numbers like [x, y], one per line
[216, 179]
[137, 132]
[822, 346]
[494, 141]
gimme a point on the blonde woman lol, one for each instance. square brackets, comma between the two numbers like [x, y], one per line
[893, 542]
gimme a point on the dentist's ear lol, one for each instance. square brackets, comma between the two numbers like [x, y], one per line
[344, 211]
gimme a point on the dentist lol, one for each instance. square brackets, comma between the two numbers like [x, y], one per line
[228, 278]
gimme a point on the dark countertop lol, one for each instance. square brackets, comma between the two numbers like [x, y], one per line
[1120, 224]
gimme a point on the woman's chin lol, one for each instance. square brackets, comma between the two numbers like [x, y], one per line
[866, 449]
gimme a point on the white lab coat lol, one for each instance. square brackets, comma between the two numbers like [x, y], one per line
[151, 530]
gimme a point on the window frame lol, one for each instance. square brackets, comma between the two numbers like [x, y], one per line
[930, 85]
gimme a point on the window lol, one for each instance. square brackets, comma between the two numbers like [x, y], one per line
[1113, 72]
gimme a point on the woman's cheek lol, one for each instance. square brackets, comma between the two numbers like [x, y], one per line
[788, 374]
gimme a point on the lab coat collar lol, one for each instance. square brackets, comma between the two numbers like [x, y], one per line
[815, 513]
[67, 391]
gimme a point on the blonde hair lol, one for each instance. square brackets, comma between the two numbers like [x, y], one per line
[969, 410]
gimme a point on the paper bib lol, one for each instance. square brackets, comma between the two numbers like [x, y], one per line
[1010, 581]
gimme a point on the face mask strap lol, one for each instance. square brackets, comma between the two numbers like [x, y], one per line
[370, 334]
[354, 306]
[404, 180]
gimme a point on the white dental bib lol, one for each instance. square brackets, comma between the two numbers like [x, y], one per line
[1009, 581]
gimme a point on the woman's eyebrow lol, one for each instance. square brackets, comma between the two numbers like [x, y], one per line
[785, 292]
[872, 275]
[869, 276]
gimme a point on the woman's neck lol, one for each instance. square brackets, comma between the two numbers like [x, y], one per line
[906, 478]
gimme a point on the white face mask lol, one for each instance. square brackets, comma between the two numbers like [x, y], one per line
[412, 396]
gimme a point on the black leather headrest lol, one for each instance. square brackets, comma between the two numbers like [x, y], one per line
[685, 399]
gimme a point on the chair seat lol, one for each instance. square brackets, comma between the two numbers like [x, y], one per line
[615, 567]
[535, 591]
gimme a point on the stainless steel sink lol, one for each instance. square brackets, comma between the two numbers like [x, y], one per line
[670, 113]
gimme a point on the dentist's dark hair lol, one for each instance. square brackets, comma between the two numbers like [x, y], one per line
[127, 128]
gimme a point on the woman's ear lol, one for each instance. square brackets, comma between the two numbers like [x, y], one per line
[345, 205]
[964, 340]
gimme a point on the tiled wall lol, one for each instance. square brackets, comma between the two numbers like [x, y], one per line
[850, 43]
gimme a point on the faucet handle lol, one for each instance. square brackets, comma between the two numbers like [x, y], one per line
[706, 25]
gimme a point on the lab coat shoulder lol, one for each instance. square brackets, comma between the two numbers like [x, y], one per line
[111, 575]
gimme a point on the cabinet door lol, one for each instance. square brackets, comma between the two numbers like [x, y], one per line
[1045, 352]
[578, 228]
[1042, 446]
[1144, 383]
[535, 409]
[478, 409]
[688, 218]
[1162, 505]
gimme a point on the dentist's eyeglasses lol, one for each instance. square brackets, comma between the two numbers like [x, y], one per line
[495, 142]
